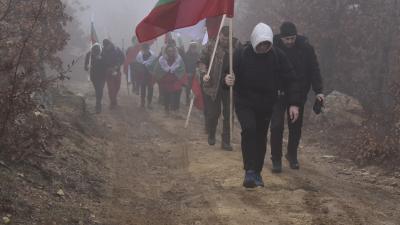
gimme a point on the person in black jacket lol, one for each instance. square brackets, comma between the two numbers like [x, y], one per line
[302, 56]
[259, 71]
[94, 64]
[113, 58]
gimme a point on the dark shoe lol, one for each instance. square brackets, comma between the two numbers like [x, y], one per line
[259, 180]
[211, 140]
[226, 146]
[250, 179]
[293, 163]
[276, 166]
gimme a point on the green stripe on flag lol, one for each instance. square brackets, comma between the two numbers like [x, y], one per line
[163, 2]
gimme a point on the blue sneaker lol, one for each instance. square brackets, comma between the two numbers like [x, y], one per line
[250, 179]
[259, 180]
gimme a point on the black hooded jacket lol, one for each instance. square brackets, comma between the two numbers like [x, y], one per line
[305, 63]
[260, 76]
[112, 57]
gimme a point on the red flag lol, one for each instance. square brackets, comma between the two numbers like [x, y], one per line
[169, 15]
[131, 54]
[213, 25]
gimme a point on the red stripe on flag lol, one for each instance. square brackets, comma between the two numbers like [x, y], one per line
[180, 14]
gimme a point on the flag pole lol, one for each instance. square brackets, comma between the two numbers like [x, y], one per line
[231, 72]
[209, 67]
[190, 110]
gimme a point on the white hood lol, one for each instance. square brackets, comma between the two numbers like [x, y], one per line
[261, 33]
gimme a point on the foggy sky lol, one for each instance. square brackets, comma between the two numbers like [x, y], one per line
[115, 19]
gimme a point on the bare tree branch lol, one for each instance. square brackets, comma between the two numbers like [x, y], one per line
[7, 10]
[17, 66]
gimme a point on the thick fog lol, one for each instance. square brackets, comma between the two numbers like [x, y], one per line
[114, 19]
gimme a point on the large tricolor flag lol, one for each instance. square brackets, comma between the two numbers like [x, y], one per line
[169, 15]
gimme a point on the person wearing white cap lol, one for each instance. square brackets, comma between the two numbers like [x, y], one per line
[259, 71]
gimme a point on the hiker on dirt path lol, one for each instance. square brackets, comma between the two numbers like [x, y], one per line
[217, 97]
[143, 71]
[304, 60]
[93, 62]
[113, 58]
[130, 57]
[169, 73]
[191, 59]
[259, 70]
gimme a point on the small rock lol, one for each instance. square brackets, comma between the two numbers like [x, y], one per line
[365, 173]
[344, 172]
[21, 175]
[60, 192]
[395, 184]
[37, 113]
[197, 223]
[328, 157]
[325, 210]
[6, 220]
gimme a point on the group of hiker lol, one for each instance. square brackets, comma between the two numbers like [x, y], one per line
[272, 76]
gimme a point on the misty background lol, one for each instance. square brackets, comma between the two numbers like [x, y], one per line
[115, 20]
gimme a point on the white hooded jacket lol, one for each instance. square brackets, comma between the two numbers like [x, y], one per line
[261, 33]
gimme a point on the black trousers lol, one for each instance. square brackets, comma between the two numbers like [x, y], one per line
[281, 109]
[98, 83]
[205, 112]
[254, 123]
[213, 111]
[171, 100]
[146, 90]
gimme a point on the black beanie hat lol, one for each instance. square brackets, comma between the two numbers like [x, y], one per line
[106, 42]
[288, 29]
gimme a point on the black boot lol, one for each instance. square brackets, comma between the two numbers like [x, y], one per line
[276, 166]
[293, 162]
[211, 139]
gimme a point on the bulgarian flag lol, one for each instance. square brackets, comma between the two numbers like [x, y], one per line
[93, 35]
[169, 15]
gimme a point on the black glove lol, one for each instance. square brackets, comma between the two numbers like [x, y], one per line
[318, 106]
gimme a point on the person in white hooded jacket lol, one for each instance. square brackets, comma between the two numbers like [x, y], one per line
[259, 72]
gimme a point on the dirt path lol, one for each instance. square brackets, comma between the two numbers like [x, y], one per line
[162, 174]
